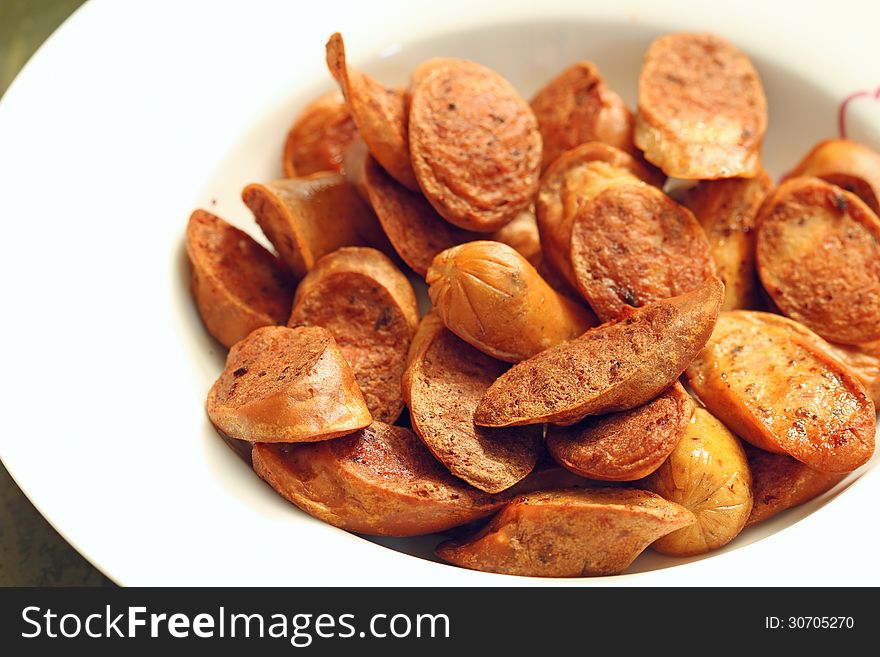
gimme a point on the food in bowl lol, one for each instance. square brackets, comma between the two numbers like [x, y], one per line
[537, 440]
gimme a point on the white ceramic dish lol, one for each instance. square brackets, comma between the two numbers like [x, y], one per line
[134, 113]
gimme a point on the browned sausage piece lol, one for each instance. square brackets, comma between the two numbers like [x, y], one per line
[570, 533]
[818, 253]
[571, 182]
[428, 66]
[318, 137]
[624, 446]
[237, 284]
[773, 382]
[287, 385]
[443, 383]
[306, 218]
[707, 473]
[702, 110]
[492, 298]
[728, 212]
[614, 367]
[633, 245]
[369, 306]
[475, 145]
[577, 107]
[847, 164]
[521, 233]
[413, 227]
[380, 480]
[863, 361]
[779, 482]
[379, 113]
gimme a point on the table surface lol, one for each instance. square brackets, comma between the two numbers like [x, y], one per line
[31, 552]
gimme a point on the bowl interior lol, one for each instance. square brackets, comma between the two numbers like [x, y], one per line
[802, 112]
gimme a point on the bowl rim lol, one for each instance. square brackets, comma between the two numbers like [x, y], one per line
[411, 23]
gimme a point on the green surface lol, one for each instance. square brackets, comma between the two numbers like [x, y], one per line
[31, 552]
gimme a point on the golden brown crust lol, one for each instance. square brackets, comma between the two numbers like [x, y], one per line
[413, 227]
[615, 367]
[475, 145]
[570, 533]
[287, 385]
[369, 306]
[707, 474]
[572, 181]
[493, 299]
[773, 382]
[633, 245]
[379, 113]
[624, 446]
[779, 482]
[702, 110]
[380, 480]
[238, 285]
[863, 361]
[318, 137]
[847, 164]
[577, 107]
[442, 385]
[728, 211]
[306, 218]
[818, 254]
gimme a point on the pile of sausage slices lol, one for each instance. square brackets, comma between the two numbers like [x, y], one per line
[635, 339]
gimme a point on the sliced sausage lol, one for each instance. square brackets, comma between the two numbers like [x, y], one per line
[238, 285]
[369, 306]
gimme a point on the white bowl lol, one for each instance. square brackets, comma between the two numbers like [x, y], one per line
[135, 113]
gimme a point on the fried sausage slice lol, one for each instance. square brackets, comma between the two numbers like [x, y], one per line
[707, 474]
[633, 245]
[238, 285]
[318, 137]
[369, 306]
[475, 145]
[614, 367]
[577, 107]
[568, 533]
[624, 446]
[773, 383]
[780, 482]
[380, 481]
[863, 361]
[818, 254]
[847, 164]
[493, 299]
[380, 114]
[306, 218]
[571, 182]
[287, 385]
[414, 228]
[442, 385]
[728, 211]
[702, 109]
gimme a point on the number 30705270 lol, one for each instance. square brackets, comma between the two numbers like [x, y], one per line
[809, 622]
